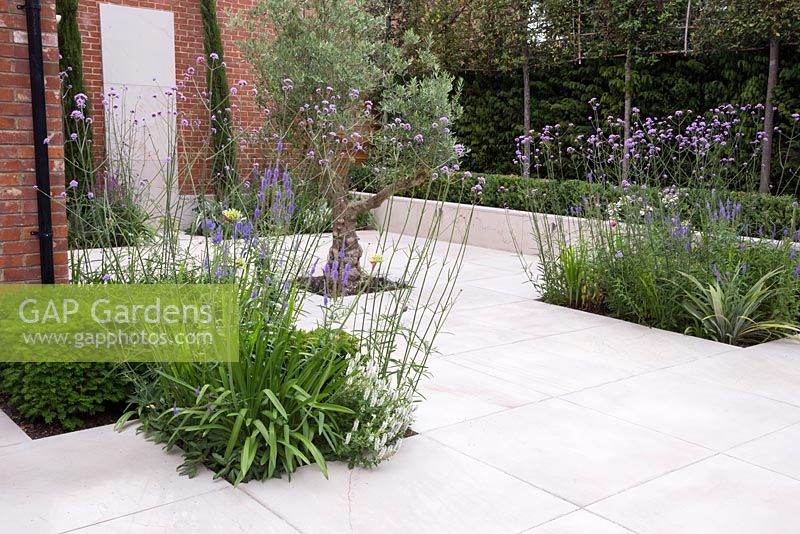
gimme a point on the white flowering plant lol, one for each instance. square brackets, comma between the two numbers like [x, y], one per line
[382, 413]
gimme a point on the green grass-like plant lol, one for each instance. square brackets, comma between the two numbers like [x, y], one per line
[269, 413]
[730, 311]
[572, 281]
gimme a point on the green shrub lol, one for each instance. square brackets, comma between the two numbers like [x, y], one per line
[63, 393]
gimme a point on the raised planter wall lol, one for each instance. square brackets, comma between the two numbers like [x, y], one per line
[494, 228]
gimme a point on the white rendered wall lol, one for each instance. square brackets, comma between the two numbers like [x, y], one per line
[138, 51]
[495, 228]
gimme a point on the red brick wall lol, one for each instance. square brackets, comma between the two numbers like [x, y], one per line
[188, 46]
[19, 250]
[19, 256]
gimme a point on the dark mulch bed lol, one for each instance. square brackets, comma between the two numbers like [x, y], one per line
[409, 433]
[39, 429]
[370, 284]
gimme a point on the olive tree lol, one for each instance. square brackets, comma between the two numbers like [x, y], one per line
[351, 97]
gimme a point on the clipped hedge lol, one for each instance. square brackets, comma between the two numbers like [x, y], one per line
[493, 107]
[761, 215]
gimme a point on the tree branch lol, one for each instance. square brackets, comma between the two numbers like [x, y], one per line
[362, 206]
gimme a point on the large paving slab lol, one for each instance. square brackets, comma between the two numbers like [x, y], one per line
[10, 433]
[571, 451]
[630, 346]
[510, 284]
[771, 370]
[538, 319]
[425, 488]
[720, 495]
[579, 522]
[708, 414]
[461, 333]
[81, 478]
[227, 510]
[468, 298]
[454, 394]
[526, 364]
[779, 451]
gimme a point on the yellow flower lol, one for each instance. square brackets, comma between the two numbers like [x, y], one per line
[239, 263]
[376, 259]
[232, 215]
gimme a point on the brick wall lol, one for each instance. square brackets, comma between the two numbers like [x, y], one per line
[188, 46]
[19, 250]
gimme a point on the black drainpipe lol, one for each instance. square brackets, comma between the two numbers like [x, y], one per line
[45, 233]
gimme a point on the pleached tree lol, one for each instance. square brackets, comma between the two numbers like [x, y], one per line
[746, 24]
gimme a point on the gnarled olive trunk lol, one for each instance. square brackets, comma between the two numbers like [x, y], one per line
[344, 257]
[343, 269]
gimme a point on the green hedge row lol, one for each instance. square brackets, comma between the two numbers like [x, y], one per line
[761, 215]
[493, 104]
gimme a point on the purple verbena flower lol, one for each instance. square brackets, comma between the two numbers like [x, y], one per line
[345, 274]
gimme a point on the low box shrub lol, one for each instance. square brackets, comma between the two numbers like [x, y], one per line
[64, 393]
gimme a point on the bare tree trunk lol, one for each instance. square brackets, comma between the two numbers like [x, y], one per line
[343, 267]
[686, 28]
[627, 118]
[769, 116]
[344, 257]
[526, 114]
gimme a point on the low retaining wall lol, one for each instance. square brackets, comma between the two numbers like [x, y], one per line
[495, 228]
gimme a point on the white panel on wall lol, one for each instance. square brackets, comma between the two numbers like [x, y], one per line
[138, 51]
